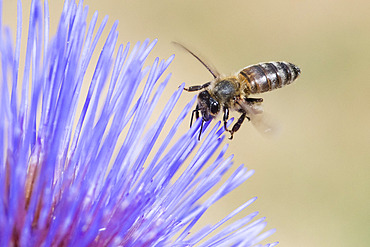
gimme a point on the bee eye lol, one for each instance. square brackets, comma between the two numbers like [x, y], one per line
[214, 107]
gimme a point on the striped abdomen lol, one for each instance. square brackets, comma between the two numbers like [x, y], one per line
[265, 77]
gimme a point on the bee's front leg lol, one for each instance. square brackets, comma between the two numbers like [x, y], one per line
[197, 88]
[196, 112]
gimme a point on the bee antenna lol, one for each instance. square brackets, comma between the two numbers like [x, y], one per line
[213, 71]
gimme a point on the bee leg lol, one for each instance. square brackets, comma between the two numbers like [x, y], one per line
[201, 129]
[197, 88]
[196, 112]
[253, 100]
[226, 117]
[237, 125]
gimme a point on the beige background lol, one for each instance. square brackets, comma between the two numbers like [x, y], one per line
[313, 179]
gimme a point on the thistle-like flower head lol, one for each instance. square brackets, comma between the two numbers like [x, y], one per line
[66, 180]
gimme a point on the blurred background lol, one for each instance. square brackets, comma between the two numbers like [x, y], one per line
[313, 179]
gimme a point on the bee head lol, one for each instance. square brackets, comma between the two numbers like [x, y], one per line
[208, 106]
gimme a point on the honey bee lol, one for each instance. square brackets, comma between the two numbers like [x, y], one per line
[232, 92]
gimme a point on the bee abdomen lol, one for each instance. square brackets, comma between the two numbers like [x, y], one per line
[265, 77]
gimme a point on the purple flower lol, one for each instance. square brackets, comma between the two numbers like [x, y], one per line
[65, 180]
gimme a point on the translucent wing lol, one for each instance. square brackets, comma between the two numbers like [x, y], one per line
[261, 121]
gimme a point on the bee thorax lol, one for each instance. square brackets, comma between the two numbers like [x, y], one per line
[225, 90]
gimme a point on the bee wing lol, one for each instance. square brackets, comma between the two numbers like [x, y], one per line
[262, 121]
[266, 125]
